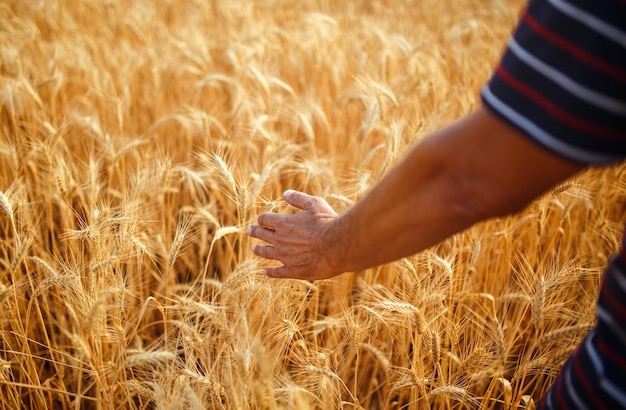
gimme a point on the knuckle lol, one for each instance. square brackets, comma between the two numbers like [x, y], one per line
[276, 272]
[261, 233]
[264, 251]
[278, 238]
[309, 202]
[259, 250]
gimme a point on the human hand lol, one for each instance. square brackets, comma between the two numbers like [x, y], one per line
[300, 241]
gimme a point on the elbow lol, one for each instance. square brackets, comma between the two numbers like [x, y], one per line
[476, 200]
[503, 207]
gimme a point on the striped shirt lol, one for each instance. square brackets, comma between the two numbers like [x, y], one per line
[562, 83]
[562, 79]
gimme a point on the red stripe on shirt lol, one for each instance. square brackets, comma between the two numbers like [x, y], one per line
[582, 377]
[566, 118]
[558, 388]
[560, 391]
[588, 58]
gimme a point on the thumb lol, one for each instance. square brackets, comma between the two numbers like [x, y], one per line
[299, 199]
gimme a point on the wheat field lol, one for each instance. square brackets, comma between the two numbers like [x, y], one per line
[138, 140]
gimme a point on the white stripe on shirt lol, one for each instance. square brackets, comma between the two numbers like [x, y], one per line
[596, 361]
[571, 390]
[584, 93]
[591, 21]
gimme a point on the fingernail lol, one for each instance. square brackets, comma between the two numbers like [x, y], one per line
[253, 248]
[288, 192]
[249, 230]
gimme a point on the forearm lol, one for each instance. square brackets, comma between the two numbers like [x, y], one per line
[468, 172]
[396, 220]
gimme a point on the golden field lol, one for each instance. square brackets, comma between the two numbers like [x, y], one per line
[138, 140]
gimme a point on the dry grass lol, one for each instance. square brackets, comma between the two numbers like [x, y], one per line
[139, 139]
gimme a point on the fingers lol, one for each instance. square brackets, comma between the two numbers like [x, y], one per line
[270, 219]
[299, 199]
[264, 234]
[265, 251]
[270, 253]
[280, 272]
[291, 238]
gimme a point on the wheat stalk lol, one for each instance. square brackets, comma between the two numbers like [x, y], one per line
[123, 177]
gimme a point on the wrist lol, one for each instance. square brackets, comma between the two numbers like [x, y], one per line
[336, 247]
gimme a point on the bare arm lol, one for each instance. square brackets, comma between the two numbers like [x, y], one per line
[472, 170]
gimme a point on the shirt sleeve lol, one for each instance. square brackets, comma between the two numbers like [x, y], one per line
[562, 79]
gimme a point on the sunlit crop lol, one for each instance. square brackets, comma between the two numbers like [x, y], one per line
[138, 141]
